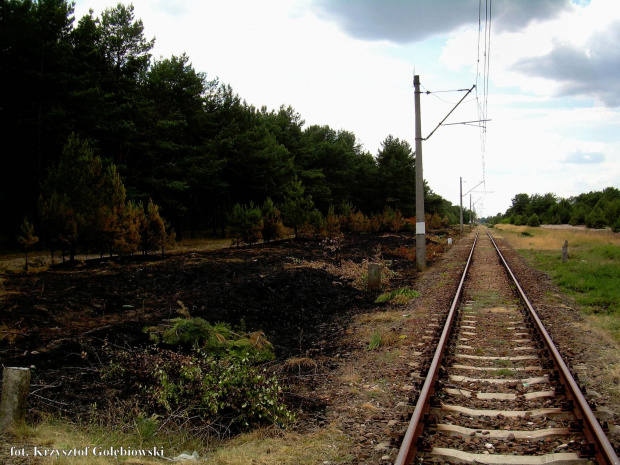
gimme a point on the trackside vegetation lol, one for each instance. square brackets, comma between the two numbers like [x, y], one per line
[591, 276]
[598, 209]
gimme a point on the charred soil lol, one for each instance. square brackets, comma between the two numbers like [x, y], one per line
[59, 321]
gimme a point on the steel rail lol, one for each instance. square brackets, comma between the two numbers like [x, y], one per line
[414, 430]
[604, 452]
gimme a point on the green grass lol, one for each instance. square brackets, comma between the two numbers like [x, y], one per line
[488, 299]
[402, 295]
[591, 276]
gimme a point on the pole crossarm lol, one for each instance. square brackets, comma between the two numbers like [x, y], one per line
[469, 122]
[470, 190]
[459, 102]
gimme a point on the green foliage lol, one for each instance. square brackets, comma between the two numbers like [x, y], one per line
[533, 221]
[227, 391]
[594, 210]
[297, 206]
[85, 204]
[396, 174]
[218, 340]
[375, 341]
[590, 277]
[272, 221]
[315, 225]
[245, 224]
[147, 427]
[595, 218]
[402, 293]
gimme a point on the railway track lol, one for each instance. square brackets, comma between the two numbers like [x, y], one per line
[495, 390]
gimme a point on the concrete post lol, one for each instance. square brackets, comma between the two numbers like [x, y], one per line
[565, 252]
[420, 225]
[374, 276]
[15, 390]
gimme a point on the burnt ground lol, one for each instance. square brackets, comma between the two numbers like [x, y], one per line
[58, 321]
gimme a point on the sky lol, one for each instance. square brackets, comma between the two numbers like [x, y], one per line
[547, 77]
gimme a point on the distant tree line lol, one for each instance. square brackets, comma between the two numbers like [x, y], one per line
[594, 210]
[96, 133]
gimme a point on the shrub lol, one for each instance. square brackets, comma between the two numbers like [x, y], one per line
[272, 221]
[316, 225]
[226, 391]
[332, 223]
[217, 340]
[398, 222]
[533, 221]
[245, 223]
[595, 219]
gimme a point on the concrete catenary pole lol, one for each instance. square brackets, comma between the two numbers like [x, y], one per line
[461, 197]
[420, 226]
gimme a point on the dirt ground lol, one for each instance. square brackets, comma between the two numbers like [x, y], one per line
[308, 300]
[57, 321]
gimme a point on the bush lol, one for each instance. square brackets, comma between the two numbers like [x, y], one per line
[595, 219]
[245, 223]
[217, 340]
[332, 223]
[533, 221]
[227, 391]
[272, 221]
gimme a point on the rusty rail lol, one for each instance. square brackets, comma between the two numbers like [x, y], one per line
[603, 451]
[409, 446]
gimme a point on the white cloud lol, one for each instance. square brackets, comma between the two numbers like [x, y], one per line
[416, 20]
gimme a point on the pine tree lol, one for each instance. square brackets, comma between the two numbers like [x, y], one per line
[272, 221]
[332, 223]
[27, 238]
[130, 220]
[297, 207]
[153, 230]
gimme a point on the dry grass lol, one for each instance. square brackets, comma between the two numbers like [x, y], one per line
[271, 447]
[48, 436]
[351, 374]
[547, 238]
[267, 446]
[300, 365]
[380, 317]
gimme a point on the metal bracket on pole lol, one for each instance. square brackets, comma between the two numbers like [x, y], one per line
[459, 102]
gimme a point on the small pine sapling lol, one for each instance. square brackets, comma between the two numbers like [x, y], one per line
[27, 238]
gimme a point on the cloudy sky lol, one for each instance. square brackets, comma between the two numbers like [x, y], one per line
[547, 75]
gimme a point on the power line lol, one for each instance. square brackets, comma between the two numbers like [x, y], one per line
[483, 100]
